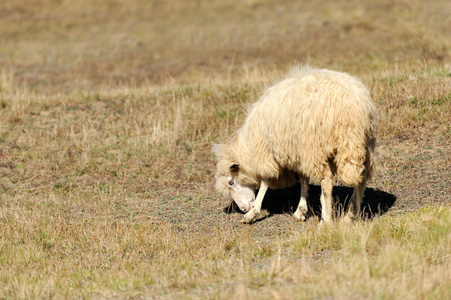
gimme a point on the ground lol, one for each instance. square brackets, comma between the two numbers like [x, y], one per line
[108, 110]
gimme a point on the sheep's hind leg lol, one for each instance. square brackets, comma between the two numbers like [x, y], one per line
[356, 199]
[302, 209]
[254, 213]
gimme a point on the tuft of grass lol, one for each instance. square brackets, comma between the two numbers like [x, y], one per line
[393, 247]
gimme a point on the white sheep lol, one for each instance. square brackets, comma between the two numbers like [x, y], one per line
[316, 123]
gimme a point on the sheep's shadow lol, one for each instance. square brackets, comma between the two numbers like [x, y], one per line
[375, 202]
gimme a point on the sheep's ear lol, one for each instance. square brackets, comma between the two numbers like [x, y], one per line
[218, 150]
[234, 167]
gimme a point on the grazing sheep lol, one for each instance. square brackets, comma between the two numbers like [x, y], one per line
[315, 123]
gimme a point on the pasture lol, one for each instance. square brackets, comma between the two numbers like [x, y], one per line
[108, 110]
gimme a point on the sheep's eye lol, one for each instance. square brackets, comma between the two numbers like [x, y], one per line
[231, 182]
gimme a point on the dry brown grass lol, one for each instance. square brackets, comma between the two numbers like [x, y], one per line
[65, 46]
[107, 113]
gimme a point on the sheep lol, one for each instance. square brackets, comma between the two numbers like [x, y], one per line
[316, 123]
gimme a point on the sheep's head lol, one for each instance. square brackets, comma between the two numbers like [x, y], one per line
[233, 179]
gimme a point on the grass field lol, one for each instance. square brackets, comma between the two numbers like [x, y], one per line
[108, 110]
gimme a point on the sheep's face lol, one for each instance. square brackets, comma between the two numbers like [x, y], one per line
[233, 179]
[242, 194]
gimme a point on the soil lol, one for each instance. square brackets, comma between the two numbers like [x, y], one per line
[411, 175]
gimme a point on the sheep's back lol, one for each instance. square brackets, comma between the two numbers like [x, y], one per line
[315, 116]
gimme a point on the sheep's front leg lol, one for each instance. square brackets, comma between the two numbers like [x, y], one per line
[252, 215]
[300, 213]
[326, 199]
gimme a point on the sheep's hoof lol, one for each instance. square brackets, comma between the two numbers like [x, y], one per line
[253, 216]
[249, 218]
[301, 219]
[348, 219]
[299, 216]
[324, 223]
